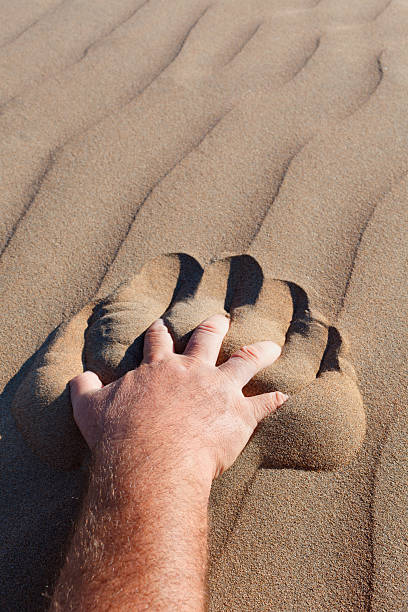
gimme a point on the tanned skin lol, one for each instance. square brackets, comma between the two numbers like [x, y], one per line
[159, 436]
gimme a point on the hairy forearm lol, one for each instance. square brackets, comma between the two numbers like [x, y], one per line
[141, 541]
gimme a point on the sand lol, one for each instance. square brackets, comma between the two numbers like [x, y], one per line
[277, 129]
[106, 337]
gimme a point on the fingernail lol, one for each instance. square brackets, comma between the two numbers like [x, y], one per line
[282, 397]
[159, 322]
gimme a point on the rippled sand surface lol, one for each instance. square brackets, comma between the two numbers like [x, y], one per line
[275, 128]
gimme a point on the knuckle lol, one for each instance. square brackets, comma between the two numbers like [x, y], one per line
[208, 327]
[249, 353]
[76, 378]
[228, 382]
[156, 331]
[249, 422]
[246, 415]
[129, 377]
[180, 365]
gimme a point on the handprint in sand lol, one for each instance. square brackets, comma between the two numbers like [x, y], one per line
[320, 427]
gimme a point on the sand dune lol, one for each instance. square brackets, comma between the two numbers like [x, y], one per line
[277, 129]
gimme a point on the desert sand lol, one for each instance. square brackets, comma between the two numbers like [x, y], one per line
[273, 132]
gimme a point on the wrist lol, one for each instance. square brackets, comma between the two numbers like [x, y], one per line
[128, 469]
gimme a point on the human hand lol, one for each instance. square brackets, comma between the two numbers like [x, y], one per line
[179, 408]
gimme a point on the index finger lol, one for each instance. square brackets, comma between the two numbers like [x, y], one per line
[83, 384]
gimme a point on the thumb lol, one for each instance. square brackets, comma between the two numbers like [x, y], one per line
[266, 404]
[85, 415]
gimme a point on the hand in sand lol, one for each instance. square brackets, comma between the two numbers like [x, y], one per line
[179, 408]
[159, 435]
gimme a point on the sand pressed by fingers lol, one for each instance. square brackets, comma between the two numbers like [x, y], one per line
[274, 128]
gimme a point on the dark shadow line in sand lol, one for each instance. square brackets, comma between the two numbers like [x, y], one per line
[301, 307]
[300, 323]
[244, 44]
[173, 57]
[307, 60]
[133, 96]
[31, 25]
[330, 359]
[373, 91]
[111, 31]
[239, 291]
[130, 100]
[81, 57]
[237, 509]
[381, 11]
[36, 185]
[142, 203]
[292, 157]
[188, 279]
[34, 188]
[187, 283]
[376, 465]
[354, 257]
[61, 532]
[361, 234]
[187, 34]
[370, 542]
[12, 385]
[268, 208]
[380, 69]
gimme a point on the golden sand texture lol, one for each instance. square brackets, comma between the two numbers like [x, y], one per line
[275, 128]
[107, 338]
